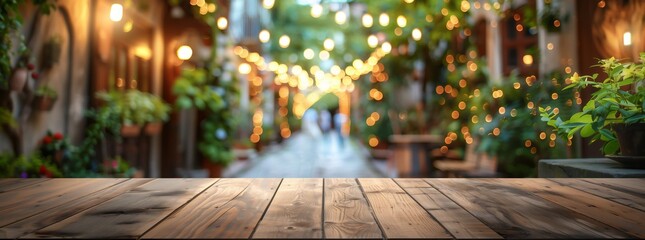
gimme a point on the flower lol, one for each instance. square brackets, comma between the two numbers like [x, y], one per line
[35, 75]
[575, 78]
[43, 170]
[47, 140]
[58, 136]
[31, 66]
[608, 64]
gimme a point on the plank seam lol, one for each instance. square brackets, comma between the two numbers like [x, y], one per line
[322, 215]
[177, 209]
[266, 209]
[592, 193]
[70, 200]
[369, 205]
[80, 211]
[426, 210]
[462, 207]
[28, 185]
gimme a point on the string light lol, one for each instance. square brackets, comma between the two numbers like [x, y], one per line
[316, 10]
[416, 34]
[340, 17]
[308, 53]
[222, 23]
[372, 41]
[384, 19]
[401, 21]
[367, 20]
[268, 4]
[264, 36]
[328, 44]
[284, 41]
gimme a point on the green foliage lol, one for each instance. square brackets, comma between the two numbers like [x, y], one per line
[10, 22]
[46, 91]
[610, 103]
[6, 118]
[24, 167]
[195, 89]
[136, 107]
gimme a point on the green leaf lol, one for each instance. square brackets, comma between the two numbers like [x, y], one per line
[586, 131]
[611, 147]
[184, 102]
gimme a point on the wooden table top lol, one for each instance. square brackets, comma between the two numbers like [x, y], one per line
[322, 208]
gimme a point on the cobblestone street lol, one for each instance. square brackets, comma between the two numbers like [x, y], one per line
[306, 156]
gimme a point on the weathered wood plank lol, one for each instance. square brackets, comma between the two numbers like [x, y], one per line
[632, 186]
[347, 214]
[130, 214]
[515, 213]
[8, 184]
[25, 202]
[397, 213]
[231, 208]
[619, 216]
[68, 209]
[455, 219]
[295, 212]
[624, 198]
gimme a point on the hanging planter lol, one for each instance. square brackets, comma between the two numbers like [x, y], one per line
[153, 128]
[44, 98]
[18, 79]
[50, 53]
[128, 130]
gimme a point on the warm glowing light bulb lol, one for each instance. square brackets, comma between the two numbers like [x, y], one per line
[116, 12]
[264, 36]
[627, 39]
[387, 47]
[527, 59]
[367, 20]
[372, 41]
[324, 55]
[384, 19]
[244, 68]
[222, 23]
[268, 4]
[416, 34]
[316, 10]
[340, 17]
[284, 41]
[308, 53]
[328, 44]
[401, 21]
[184, 52]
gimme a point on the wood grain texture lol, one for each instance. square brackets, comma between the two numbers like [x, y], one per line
[515, 213]
[397, 213]
[231, 208]
[130, 214]
[633, 186]
[8, 184]
[621, 217]
[295, 212]
[25, 202]
[455, 219]
[347, 214]
[625, 198]
[68, 209]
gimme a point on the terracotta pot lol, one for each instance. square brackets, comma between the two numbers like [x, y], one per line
[130, 130]
[153, 128]
[631, 138]
[44, 103]
[214, 169]
[18, 79]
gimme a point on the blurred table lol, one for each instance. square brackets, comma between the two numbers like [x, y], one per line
[586, 168]
[417, 147]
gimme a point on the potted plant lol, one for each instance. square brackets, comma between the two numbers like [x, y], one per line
[54, 146]
[20, 74]
[614, 114]
[137, 110]
[193, 90]
[44, 98]
[50, 53]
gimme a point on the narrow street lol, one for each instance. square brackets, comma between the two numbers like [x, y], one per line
[306, 156]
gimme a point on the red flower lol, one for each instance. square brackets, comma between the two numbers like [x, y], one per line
[47, 140]
[43, 170]
[31, 66]
[35, 75]
[58, 136]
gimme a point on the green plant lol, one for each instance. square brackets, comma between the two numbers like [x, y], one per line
[136, 107]
[619, 98]
[46, 91]
[194, 89]
[27, 166]
[6, 118]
